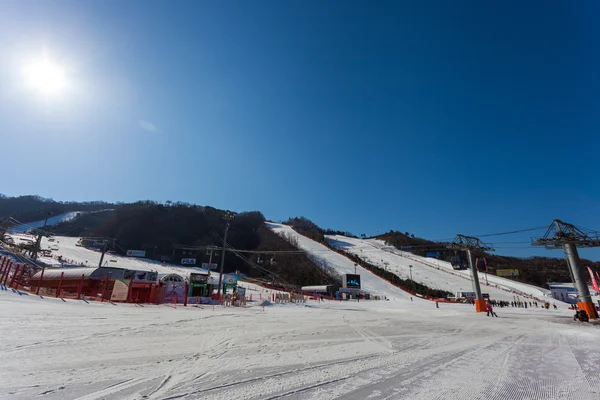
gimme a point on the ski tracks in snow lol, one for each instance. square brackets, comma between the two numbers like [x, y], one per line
[290, 352]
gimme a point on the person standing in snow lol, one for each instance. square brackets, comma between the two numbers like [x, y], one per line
[490, 310]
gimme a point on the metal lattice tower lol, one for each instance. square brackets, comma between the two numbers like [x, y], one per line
[569, 237]
[560, 232]
[469, 244]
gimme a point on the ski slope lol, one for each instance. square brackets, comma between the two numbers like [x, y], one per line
[53, 220]
[434, 273]
[72, 254]
[369, 281]
[52, 349]
[68, 249]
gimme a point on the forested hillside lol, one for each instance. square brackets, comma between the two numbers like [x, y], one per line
[161, 229]
[34, 208]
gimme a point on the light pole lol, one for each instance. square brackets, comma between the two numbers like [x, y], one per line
[411, 279]
[354, 268]
[228, 217]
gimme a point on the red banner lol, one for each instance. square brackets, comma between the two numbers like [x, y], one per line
[594, 283]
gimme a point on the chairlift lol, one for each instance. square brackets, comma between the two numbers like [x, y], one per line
[455, 261]
[259, 260]
[480, 264]
[273, 260]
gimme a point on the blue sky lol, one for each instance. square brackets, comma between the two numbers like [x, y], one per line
[433, 117]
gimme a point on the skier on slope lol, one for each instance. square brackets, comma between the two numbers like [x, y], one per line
[490, 310]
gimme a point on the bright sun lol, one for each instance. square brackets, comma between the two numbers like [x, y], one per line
[46, 77]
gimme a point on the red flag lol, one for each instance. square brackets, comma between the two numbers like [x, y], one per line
[594, 283]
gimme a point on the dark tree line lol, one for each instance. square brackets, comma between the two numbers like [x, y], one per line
[34, 208]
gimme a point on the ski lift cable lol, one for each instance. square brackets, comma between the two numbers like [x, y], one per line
[512, 232]
[252, 263]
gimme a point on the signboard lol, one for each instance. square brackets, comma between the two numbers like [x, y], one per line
[188, 261]
[230, 279]
[202, 300]
[175, 292]
[120, 290]
[352, 281]
[507, 272]
[213, 266]
[241, 292]
[594, 282]
[198, 278]
[433, 254]
[145, 276]
[136, 253]
[213, 279]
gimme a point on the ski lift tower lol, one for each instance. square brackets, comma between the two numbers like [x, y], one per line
[569, 237]
[470, 244]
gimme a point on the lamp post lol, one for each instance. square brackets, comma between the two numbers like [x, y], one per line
[227, 217]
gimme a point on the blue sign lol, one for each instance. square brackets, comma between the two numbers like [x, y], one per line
[433, 254]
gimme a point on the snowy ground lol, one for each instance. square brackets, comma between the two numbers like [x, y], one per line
[50, 349]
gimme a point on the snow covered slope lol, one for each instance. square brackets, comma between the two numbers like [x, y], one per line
[369, 281]
[51, 350]
[434, 273]
[54, 220]
[67, 248]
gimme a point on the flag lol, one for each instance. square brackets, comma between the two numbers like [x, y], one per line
[594, 283]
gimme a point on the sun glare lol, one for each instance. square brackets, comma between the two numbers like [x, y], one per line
[46, 77]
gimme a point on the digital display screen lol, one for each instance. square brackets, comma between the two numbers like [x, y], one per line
[353, 281]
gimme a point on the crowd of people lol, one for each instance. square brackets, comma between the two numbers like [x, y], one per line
[520, 304]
